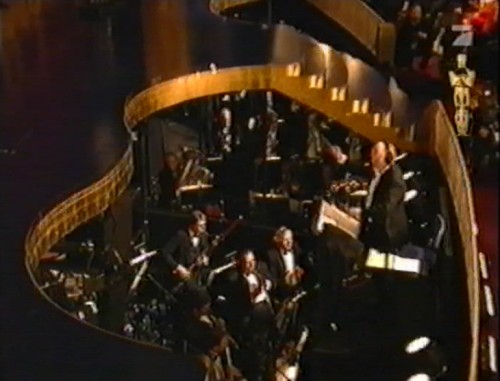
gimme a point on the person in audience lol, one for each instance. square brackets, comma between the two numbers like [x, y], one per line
[411, 34]
[168, 179]
[483, 147]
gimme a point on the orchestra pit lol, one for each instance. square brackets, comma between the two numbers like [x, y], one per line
[263, 207]
[271, 178]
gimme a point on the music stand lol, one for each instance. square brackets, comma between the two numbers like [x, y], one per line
[272, 205]
[269, 174]
[194, 194]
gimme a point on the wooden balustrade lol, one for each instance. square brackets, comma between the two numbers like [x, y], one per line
[445, 145]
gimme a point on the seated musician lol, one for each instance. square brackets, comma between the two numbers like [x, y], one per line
[382, 225]
[200, 317]
[253, 317]
[184, 253]
[208, 337]
[168, 178]
[284, 263]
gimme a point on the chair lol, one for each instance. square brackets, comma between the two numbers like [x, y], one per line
[438, 230]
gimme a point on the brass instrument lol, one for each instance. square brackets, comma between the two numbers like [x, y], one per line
[194, 175]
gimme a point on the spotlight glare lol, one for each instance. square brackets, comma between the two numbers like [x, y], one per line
[416, 345]
[419, 377]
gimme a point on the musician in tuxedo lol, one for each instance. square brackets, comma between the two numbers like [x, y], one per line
[253, 316]
[287, 267]
[284, 260]
[184, 253]
[208, 337]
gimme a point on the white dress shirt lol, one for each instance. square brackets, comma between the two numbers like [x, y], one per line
[195, 241]
[253, 285]
[375, 181]
[289, 261]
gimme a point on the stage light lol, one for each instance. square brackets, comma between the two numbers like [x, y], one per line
[417, 345]
[427, 355]
[419, 377]
[408, 175]
[492, 351]
[488, 297]
[410, 195]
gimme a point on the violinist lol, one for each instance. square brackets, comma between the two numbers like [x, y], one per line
[253, 317]
[185, 252]
[207, 337]
[284, 260]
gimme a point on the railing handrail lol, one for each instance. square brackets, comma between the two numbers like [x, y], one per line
[448, 151]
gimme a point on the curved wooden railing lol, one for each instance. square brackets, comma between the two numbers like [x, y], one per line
[375, 34]
[267, 77]
[371, 30]
[445, 145]
[77, 209]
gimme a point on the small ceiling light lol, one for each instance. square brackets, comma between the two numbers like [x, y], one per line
[418, 344]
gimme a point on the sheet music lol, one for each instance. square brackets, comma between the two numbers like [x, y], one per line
[385, 261]
[340, 219]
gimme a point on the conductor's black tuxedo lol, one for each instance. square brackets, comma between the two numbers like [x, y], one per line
[384, 222]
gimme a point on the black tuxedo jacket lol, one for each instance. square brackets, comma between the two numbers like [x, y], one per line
[180, 250]
[385, 224]
[239, 291]
[277, 270]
